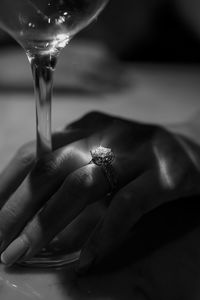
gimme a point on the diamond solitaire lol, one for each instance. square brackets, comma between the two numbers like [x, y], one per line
[102, 156]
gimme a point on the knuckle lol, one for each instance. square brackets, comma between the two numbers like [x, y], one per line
[8, 217]
[80, 181]
[97, 118]
[26, 154]
[132, 205]
[162, 137]
[89, 119]
[125, 200]
[94, 115]
[8, 212]
[46, 167]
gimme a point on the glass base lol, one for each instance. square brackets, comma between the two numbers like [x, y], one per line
[47, 260]
[56, 254]
[66, 247]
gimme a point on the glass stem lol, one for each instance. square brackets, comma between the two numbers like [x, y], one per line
[43, 67]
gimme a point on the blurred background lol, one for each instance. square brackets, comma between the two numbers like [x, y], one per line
[139, 59]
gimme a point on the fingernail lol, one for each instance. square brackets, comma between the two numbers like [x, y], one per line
[14, 251]
[87, 260]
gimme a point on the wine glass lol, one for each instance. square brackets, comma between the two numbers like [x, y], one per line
[43, 28]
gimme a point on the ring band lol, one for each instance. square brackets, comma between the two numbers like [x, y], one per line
[103, 157]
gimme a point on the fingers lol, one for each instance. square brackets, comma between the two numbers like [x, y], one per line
[36, 189]
[23, 161]
[77, 232]
[15, 172]
[81, 188]
[127, 207]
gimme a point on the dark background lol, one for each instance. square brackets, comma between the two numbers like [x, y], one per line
[151, 30]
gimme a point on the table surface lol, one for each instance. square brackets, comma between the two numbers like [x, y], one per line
[88, 79]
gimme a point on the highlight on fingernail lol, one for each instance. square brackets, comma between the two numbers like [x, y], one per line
[15, 251]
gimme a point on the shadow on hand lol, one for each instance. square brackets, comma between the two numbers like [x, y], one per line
[162, 226]
[161, 260]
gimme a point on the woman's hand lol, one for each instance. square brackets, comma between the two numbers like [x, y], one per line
[64, 190]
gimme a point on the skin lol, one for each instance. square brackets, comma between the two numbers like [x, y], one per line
[62, 190]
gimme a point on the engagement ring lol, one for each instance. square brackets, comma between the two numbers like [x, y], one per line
[103, 157]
